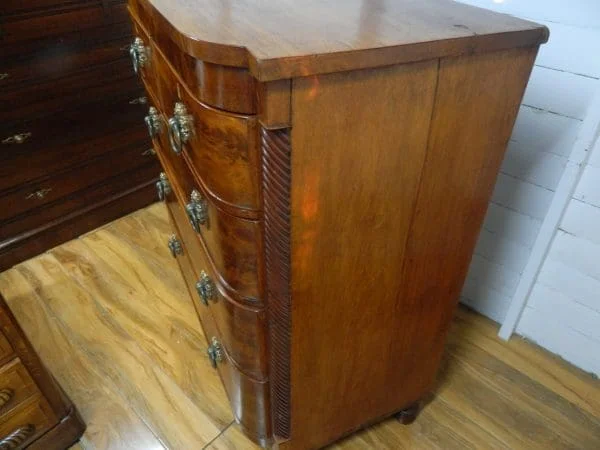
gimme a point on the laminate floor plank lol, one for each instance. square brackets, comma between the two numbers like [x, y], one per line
[111, 422]
[151, 393]
[112, 317]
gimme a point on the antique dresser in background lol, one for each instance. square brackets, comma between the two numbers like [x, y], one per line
[34, 411]
[327, 166]
[73, 153]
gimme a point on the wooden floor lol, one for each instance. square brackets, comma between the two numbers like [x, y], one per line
[110, 315]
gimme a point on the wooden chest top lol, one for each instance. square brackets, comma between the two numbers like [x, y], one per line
[288, 38]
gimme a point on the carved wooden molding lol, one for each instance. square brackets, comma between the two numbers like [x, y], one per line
[276, 165]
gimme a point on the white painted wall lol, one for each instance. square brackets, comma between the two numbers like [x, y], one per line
[556, 101]
[562, 303]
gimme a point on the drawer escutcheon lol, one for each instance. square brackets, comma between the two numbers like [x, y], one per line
[175, 246]
[215, 352]
[206, 288]
[197, 211]
[153, 122]
[139, 54]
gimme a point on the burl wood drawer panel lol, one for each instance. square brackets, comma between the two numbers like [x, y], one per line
[232, 242]
[221, 146]
[242, 327]
[16, 385]
[25, 422]
[249, 398]
[228, 88]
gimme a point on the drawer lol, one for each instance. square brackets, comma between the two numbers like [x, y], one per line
[249, 398]
[16, 385]
[46, 190]
[232, 243]
[222, 147]
[60, 60]
[69, 209]
[55, 143]
[82, 38]
[75, 17]
[232, 89]
[26, 422]
[51, 96]
[242, 328]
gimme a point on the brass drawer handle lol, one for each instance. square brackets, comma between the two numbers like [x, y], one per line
[139, 101]
[197, 210]
[139, 54]
[163, 187]
[17, 437]
[206, 288]
[181, 127]
[4, 76]
[149, 152]
[153, 122]
[6, 396]
[175, 246]
[17, 138]
[215, 352]
[40, 194]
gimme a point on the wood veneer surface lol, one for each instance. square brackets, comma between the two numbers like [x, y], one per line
[289, 38]
[110, 316]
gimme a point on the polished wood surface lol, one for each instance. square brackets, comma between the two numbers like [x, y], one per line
[287, 39]
[34, 411]
[73, 145]
[489, 393]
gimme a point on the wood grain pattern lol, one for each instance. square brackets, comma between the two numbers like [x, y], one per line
[477, 363]
[343, 237]
[290, 39]
[276, 150]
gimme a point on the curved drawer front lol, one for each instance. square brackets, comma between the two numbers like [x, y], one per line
[229, 88]
[243, 328]
[232, 242]
[249, 398]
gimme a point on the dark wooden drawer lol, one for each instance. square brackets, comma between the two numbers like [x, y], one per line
[70, 138]
[242, 327]
[60, 60]
[74, 17]
[51, 96]
[16, 386]
[47, 190]
[249, 398]
[24, 423]
[6, 349]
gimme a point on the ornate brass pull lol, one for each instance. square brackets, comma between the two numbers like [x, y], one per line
[39, 194]
[181, 127]
[17, 138]
[6, 396]
[139, 54]
[197, 210]
[206, 288]
[4, 76]
[163, 187]
[215, 352]
[175, 246]
[153, 122]
[149, 152]
[17, 437]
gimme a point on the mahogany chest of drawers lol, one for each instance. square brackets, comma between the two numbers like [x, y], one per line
[34, 411]
[73, 153]
[327, 167]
